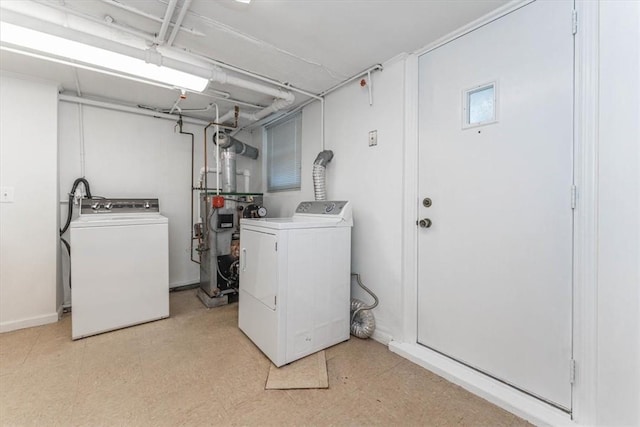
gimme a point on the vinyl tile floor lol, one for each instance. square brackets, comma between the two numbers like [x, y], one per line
[197, 368]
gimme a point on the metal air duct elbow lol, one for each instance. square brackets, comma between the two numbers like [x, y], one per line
[225, 141]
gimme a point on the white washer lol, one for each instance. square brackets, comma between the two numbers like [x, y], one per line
[119, 265]
[295, 280]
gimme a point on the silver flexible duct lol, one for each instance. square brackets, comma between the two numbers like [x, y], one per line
[319, 187]
[363, 323]
[319, 168]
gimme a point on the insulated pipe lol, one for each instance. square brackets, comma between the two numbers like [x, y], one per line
[276, 105]
[257, 76]
[219, 76]
[176, 26]
[227, 116]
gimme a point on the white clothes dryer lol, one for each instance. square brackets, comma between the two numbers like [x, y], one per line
[295, 280]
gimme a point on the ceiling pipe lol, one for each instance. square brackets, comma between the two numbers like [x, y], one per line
[368, 71]
[209, 107]
[276, 105]
[134, 10]
[232, 101]
[178, 23]
[165, 22]
[109, 23]
[220, 76]
[175, 106]
[127, 109]
[255, 76]
[38, 23]
[215, 74]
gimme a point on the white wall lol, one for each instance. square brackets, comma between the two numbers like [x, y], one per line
[618, 353]
[369, 177]
[129, 155]
[28, 226]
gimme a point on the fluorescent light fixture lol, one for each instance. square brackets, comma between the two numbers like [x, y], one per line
[58, 46]
[244, 1]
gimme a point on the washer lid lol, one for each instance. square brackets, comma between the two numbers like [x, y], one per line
[117, 220]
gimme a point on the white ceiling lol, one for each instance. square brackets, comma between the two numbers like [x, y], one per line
[310, 44]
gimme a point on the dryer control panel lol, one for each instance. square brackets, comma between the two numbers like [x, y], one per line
[326, 209]
[321, 207]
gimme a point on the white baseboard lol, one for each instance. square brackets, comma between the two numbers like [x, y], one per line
[508, 398]
[30, 322]
[382, 336]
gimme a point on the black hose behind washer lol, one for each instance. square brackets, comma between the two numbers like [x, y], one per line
[70, 212]
[71, 194]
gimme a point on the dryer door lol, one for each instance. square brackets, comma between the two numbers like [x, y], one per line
[259, 266]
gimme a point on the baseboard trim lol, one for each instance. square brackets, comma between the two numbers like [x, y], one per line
[382, 337]
[30, 322]
[508, 398]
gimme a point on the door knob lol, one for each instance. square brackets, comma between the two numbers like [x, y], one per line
[425, 223]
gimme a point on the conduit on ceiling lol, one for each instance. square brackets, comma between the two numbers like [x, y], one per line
[157, 55]
[162, 53]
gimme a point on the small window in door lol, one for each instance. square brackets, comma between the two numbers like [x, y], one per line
[479, 106]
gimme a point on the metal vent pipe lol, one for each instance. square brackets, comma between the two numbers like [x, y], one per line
[319, 179]
[229, 148]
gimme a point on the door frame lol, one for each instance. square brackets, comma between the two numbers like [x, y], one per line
[585, 236]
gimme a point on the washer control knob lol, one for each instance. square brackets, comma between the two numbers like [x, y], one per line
[329, 207]
[147, 205]
[95, 206]
[108, 205]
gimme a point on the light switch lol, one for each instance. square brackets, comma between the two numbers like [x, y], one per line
[373, 138]
[6, 195]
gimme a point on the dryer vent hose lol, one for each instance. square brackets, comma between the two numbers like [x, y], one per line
[319, 168]
[363, 323]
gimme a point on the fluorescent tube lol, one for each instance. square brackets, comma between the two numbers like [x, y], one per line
[61, 47]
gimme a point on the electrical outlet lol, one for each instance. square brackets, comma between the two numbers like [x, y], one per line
[6, 195]
[373, 138]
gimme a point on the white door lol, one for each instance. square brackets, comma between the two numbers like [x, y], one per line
[495, 266]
